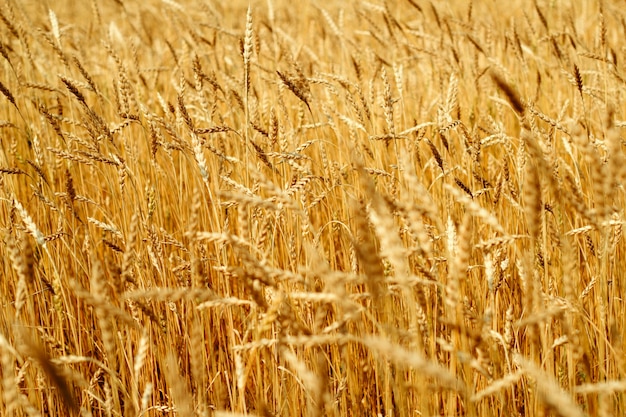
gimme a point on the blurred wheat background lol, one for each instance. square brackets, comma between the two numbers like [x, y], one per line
[342, 208]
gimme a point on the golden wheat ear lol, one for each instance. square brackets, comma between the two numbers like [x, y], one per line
[249, 208]
[54, 374]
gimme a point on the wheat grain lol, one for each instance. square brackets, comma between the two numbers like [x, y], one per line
[549, 392]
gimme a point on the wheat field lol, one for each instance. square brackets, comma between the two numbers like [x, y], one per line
[320, 208]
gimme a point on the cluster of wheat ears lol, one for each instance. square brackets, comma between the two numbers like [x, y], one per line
[338, 208]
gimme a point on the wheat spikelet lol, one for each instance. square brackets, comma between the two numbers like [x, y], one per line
[532, 201]
[309, 380]
[436, 155]
[549, 391]
[475, 209]
[368, 255]
[9, 387]
[403, 358]
[106, 227]
[7, 93]
[509, 92]
[54, 374]
[155, 249]
[198, 358]
[460, 255]
[388, 105]
[297, 87]
[605, 387]
[200, 159]
[23, 263]
[498, 385]
[138, 363]
[71, 86]
[107, 327]
[30, 224]
[247, 51]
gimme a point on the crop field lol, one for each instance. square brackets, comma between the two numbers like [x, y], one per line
[312, 208]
